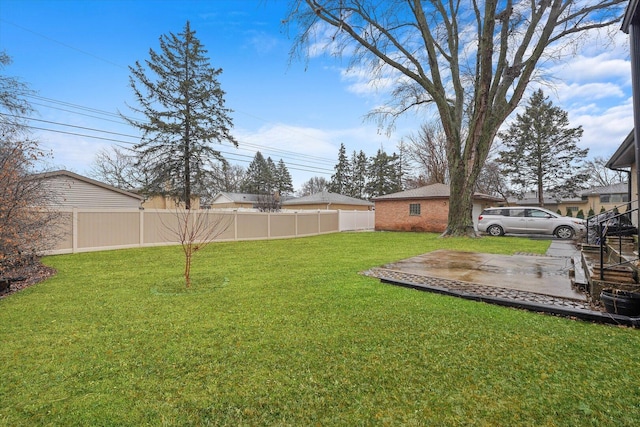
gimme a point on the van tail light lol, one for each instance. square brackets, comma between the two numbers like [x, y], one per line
[480, 218]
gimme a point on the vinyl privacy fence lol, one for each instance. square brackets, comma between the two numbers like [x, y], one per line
[84, 230]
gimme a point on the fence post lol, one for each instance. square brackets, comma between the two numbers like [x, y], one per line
[141, 224]
[74, 231]
[235, 225]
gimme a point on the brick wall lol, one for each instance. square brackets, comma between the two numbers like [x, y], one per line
[393, 215]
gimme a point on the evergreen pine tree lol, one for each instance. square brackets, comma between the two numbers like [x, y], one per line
[273, 176]
[359, 166]
[341, 179]
[385, 175]
[183, 105]
[284, 183]
[541, 150]
[258, 178]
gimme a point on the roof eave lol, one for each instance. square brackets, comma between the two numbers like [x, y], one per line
[629, 15]
[625, 154]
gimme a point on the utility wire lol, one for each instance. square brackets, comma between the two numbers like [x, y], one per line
[286, 154]
[292, 166]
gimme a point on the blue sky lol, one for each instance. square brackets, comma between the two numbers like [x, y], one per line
[75, 54]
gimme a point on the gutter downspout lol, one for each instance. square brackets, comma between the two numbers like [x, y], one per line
[634, 40]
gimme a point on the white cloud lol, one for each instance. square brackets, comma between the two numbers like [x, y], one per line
[604, 130]
[603, 66]
[589, 92]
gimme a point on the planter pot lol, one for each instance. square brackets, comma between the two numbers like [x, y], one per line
[621, 302]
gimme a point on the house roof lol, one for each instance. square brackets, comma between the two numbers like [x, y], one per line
[630, 15]
[433, 191]
[65, 173]
[224, 197]
[625, 155]
[619, 188]
[326, 197]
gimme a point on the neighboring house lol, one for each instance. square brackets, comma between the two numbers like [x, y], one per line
[71, 190]
[234, 201]
[168, 202]
[551, 202]
[595, 198]
[422, 209]
[325, 200]
[607, 197]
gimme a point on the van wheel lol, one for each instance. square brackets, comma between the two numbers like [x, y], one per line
[564, 232]
[495, 230]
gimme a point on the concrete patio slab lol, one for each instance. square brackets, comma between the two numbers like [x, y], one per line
[536, 283]
[538, 274]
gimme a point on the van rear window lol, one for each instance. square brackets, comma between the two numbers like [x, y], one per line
[501, 212]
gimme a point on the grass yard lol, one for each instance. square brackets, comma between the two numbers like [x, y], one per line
[286, 332]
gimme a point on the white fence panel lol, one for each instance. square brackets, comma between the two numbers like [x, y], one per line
[357, 220]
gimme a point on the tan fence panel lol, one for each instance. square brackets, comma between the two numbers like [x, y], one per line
[252, 225]
[84, 230]
[308, 223]
[329, 222]
[108, 229]
[283, 225]
[223, 223]
[160, 227]
[62, 240]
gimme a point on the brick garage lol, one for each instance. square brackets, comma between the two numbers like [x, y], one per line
[421, 209]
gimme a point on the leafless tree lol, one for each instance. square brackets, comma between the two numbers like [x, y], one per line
[314, 185]
[27, 212]
[195, 230]
[472, 61]
[269, 202]
[225, 177]
[117, 167]
[491, 181]
[428, 149]
[601, 176]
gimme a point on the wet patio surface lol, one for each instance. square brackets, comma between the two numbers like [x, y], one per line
[539, 274]
[532, 282]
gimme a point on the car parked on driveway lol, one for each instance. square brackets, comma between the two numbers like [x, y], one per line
[528, 220]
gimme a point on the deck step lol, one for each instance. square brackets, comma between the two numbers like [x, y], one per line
[621, 274]
[579, 275]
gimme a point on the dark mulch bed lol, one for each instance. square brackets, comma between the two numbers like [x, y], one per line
[26, 276]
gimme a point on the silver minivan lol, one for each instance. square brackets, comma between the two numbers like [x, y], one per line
[528, 220]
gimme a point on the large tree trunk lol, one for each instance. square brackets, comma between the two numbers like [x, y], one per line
[460, 220]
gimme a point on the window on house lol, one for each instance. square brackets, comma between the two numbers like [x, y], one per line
[614, 198]
[414, 209]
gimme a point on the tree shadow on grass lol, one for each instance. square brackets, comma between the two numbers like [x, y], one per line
[200, 284]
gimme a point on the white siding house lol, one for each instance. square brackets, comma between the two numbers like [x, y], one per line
[71, 190]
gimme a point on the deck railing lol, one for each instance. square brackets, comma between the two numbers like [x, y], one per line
[612, 223]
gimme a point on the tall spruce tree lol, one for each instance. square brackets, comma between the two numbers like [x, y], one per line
[341, 179]
[283, 181]
[385, 175]
[183, 105]
[258, 178]
[359, 168]
[541, 151]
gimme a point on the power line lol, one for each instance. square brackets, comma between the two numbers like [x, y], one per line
[68, 46]
[266, 149]
[292, 166]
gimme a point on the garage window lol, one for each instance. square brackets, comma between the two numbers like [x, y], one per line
[414, 209]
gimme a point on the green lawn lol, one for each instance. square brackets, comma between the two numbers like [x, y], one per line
[287, 332]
